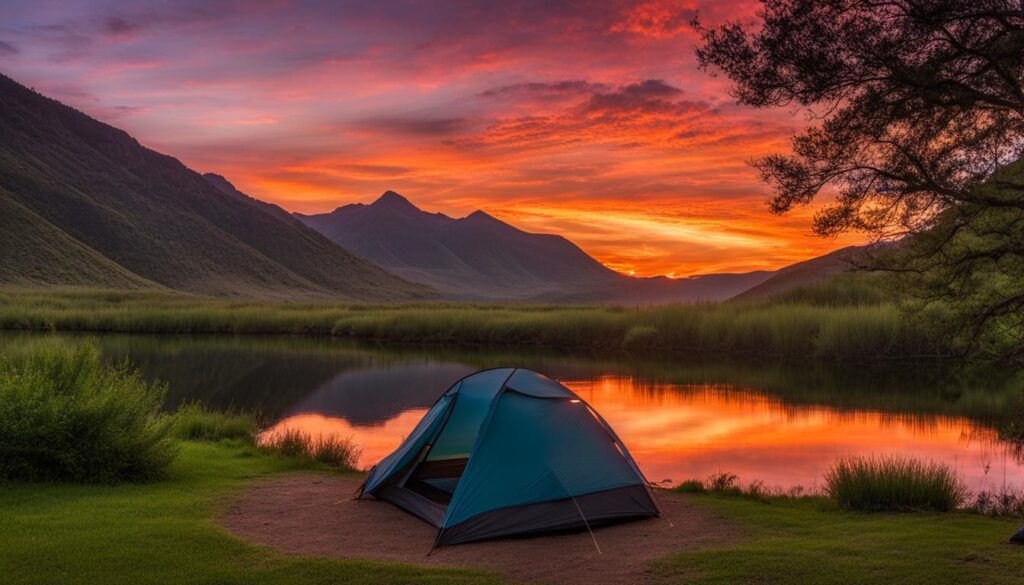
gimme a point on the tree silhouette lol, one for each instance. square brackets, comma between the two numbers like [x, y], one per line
[915, 106]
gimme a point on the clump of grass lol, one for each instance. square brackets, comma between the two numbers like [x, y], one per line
[1006, 501]
[329, 450]
[894, 484]
[196, 422]
[64, 416]
[691, 486]
[723, 483]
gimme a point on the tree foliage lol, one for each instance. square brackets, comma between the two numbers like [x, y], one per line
[915, 105]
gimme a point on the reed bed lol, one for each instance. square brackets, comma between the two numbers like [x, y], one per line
[786, 328]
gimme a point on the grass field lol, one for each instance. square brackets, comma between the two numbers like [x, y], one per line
[855, 328]
[165, 532]
[809, 541]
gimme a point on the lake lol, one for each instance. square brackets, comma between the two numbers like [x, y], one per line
[777, 423]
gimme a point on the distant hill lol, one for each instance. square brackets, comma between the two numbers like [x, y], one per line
[805, 273]
[84, 203]
[481, 257]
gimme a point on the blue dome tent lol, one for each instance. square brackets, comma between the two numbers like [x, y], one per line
[508, 452]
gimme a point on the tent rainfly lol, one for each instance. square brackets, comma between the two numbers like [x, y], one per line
[508, 452]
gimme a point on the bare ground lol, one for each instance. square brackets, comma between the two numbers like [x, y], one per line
[313, 514]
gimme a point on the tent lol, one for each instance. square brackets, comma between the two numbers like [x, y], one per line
[508, 452]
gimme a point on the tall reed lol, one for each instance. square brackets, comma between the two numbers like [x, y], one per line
[894, 483]
[328, 450]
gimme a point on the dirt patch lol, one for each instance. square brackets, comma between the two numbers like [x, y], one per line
[313, 514]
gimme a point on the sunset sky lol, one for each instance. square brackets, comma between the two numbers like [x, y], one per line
[588, 119]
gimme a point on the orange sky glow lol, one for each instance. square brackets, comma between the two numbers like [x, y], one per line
[588, 119]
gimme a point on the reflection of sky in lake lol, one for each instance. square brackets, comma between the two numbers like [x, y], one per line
[679, 432]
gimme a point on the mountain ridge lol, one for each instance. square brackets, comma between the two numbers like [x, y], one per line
[480, 257]
[156, 219]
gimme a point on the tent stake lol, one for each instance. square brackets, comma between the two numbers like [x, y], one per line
[585, 523]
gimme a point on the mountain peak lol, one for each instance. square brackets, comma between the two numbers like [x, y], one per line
[479, 215]
[392, 200]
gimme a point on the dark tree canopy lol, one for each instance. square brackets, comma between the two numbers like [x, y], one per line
[919, 101]
[915, 106]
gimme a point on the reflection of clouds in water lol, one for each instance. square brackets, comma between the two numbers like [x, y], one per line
[680, 435]
[683, 435]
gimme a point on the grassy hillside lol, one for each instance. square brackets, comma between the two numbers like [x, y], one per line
[157, 219]
[37, 253]
[805, 274]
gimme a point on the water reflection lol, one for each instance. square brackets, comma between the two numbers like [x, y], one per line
[679, 433]
[775, 423]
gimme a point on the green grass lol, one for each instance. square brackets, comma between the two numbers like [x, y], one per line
[165, 532]
[809, 541]
[194, 421]
[782, 328]
[894, 484]
[66, 416]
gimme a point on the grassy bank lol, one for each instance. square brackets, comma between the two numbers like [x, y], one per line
[165, 532]
[798, 326]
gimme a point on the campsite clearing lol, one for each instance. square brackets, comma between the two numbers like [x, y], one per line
[167, 532]
[313, 514]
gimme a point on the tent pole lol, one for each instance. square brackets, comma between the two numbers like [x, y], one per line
[585, 523]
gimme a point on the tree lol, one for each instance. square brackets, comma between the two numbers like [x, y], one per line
[915, 106]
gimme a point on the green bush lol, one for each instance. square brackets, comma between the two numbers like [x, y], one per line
[894, 484]
[195, 422]
[65, 416]
[331, 451]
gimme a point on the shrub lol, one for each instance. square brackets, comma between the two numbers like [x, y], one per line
[894, 484]
[65, 416]
[331, 451]
[195, 422]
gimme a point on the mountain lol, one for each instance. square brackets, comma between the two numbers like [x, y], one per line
[481, 257]
[805, 273]
[86, 204]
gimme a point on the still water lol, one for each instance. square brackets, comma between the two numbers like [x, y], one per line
[780, 424]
